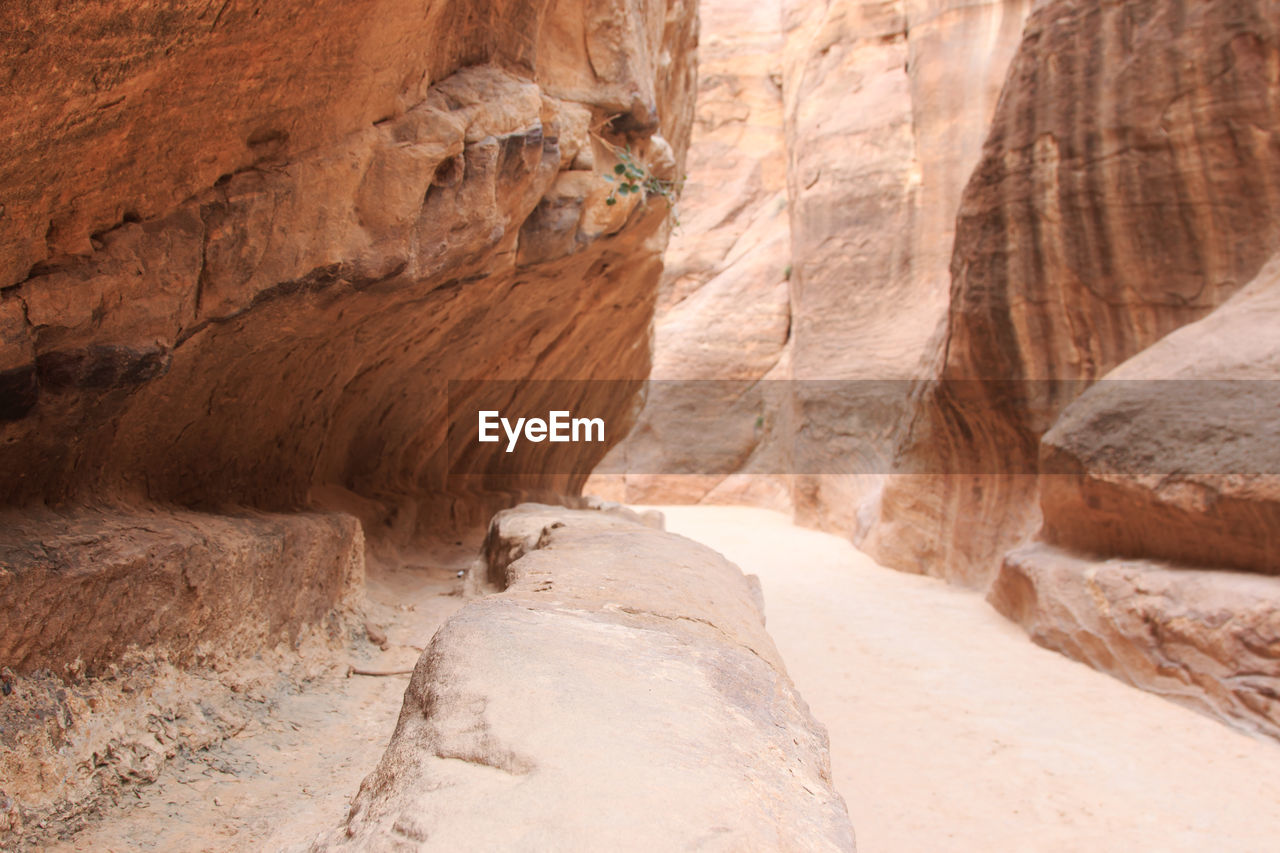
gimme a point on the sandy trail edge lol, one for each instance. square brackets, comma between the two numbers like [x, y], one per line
[291, 774]
[951, 731]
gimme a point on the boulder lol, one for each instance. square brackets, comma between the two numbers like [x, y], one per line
[619, 692]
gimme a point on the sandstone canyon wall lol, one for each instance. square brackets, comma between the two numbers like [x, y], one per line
[243, 250]
[862, 121]
[724, 310]
[887, 105]
[1128, 186]
[992, 206]
[229, 282]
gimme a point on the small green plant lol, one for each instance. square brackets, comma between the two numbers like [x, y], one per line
[631, 177]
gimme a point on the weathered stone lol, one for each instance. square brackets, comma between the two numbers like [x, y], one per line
[643, 677]
[243, 251]
[86, 586]
[1170, 461]
[276, 300]
[1175, 454]
[1206, 638]
[1094, 225]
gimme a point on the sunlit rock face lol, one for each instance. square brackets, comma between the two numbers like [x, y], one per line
[832, 144]
[244, 251]
[1129, 185]
[724, 309]
[887, 106]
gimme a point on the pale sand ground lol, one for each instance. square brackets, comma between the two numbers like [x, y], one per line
[950, 731]
[292, 773]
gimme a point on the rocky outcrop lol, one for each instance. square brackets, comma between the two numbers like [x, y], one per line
[1130, 184]
[132, 636]
[265, 310]
[79, 588]
[644, 677]
[1209, 639]
[238, 272]
[1171, 462]
[1175, 454]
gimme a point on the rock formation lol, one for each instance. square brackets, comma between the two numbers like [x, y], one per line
[243, 250]
[976, 237]
[887, 105]
[647, 708]
[265, 310]
[880, 112]
[1130, 184]
[723, 312]
[285, 313]
[1171, 464]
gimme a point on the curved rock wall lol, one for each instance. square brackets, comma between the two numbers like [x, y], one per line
[282, 310]
[887, 105]
[241, 268]
[244, 248]
[1130, 184]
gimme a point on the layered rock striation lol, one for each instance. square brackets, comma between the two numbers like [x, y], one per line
[1130, 184]
[1159, 559]
[242, 272]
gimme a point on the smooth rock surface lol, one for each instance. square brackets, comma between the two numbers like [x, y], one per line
[877, 113]
[887, 105]
[1175, 455]
[723, 310]
[646, 709]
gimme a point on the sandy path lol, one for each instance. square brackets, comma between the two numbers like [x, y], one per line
[950, 731]
[292, 773]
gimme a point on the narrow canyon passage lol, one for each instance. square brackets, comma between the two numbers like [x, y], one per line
[950, 732]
